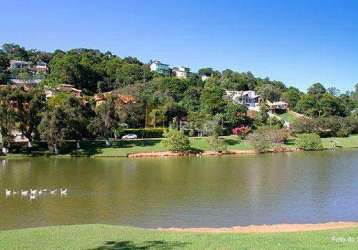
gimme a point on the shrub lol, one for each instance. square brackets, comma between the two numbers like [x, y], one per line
[353, 123]
[275, 135]
[304, 125]
[217, 144]
[275, 122]
[265, 137]
[176, 141]
[260, 142]
[309, 142]
[241, 131]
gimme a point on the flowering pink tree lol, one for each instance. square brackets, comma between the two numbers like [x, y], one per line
[241, 131]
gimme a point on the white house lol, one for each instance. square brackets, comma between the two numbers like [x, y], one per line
[277, 105]
[204, 77]
[159, 67]
[15, 64]
[41, 67]
[181, 72]
[247, 98]
[19, 82]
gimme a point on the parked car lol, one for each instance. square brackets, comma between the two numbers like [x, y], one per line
[129, 137]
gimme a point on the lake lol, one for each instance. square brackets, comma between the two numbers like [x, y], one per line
[183, 192]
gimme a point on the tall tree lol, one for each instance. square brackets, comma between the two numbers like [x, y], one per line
[66, 121]
[30, 105]
[7, 118]
[211, 99]
[317, 89]
[291, 96]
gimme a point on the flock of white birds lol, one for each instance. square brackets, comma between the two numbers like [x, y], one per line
[32, 194]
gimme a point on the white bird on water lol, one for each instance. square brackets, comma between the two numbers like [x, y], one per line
[14, 192]
[63, 191]
[24, 192]
[53, 191]
[7, 192]
[33, 192]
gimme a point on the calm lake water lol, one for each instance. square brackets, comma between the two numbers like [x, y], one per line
[183, 192]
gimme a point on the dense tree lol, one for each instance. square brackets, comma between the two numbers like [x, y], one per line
[291, 96]
[269, 92]
[4, 64]
[15, 52]
[235, 115]
[209, 72]
[262, 116]
[108, 117]
[4, 61]
[66, 121]
[30, 105]
[330, 105]
[52, 129]
[7, 118]
[317, 90]
[307, 105]
[211, 99]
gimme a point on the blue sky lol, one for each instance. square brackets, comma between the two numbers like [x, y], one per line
[298, 42]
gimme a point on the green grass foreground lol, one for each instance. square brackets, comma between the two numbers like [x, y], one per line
[118, 237]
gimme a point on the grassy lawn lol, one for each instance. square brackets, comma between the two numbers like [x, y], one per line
[117, 237]
[122, 148]
[347, 142]
[288, 116]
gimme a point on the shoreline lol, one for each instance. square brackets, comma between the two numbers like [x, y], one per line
[249, 229]
[156, 154]
[207, 153]
[274, 228]
[152, 148]
[161, 154]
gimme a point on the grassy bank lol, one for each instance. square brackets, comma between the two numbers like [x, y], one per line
[288, 117]
[346, 142]
[123, 148]
[117, 237]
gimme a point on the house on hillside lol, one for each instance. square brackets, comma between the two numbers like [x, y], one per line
[124, 99]
[248, 98]
[63, 88]
[69, 88]
[41, 67]
[160, 68]
[19, 82]
[16, 64]
[277, 106]
[181, 72]
[204, 77]
[32, 74]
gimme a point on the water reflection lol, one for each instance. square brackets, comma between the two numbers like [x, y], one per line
[190, 192]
